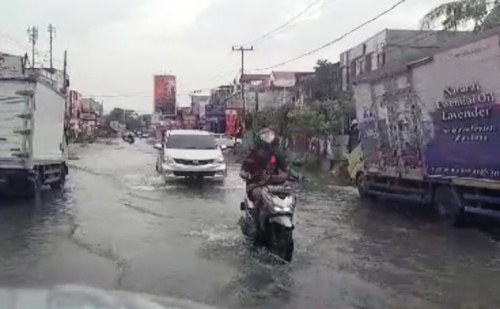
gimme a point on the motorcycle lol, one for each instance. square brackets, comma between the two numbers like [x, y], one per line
[275, 222]
[129, 138]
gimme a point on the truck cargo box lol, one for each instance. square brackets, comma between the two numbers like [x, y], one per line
[31, 123]
[33, 146]
[437, 117]
[429, 130]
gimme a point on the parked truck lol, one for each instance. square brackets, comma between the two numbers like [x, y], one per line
[428, 131]
[33, 148]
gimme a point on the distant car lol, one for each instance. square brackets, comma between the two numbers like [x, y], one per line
[225, 140]
[192, 154]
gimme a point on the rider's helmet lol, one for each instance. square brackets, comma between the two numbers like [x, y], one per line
[266, 137]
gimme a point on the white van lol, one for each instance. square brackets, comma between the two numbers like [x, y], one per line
[191, 153]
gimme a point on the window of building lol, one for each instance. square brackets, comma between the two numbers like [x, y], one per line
[362, 66]
[374, 61]
[381, 59]
[353, 68]
[368, 61]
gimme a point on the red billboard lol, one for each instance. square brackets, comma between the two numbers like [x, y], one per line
[165, 94]
[234, 122]
[75, 104]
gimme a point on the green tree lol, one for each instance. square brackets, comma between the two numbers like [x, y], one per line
[130, 118]
[482, 14]
[325, 83]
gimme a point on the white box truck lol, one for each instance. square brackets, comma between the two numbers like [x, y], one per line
[33, 148]
[429, 130]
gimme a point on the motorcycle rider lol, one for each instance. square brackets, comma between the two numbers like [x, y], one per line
[264, 165]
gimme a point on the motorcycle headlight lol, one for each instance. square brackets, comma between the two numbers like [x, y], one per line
[219, 159]
[282, 209]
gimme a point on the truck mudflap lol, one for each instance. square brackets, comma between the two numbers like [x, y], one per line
[285, 221]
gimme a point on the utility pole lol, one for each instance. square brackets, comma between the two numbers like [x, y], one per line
[65, 72]
[52, 34]
[242, 50]
[33, 38]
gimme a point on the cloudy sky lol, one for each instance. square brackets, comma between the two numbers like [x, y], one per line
[116, 46]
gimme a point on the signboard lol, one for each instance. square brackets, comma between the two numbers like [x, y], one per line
[463, 137]
[233, 121]
[441, 119]
[165, 94]
[75, 104]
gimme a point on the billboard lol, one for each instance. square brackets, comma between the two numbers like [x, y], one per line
[441, 119]
[461, 135]
[234, 121]
[165, 94]
[75, 104]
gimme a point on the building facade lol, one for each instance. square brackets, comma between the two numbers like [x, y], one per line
[389, 48]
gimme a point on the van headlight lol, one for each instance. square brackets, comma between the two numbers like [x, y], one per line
[169, 160]
[219, 159]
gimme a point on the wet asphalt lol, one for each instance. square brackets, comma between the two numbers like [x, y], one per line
[118, 226]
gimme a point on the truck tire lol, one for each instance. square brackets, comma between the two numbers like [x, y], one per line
[449, 206]
[33, 185]
[57, 185]
[361, 185]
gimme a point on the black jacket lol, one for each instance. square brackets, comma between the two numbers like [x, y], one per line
[263, 161]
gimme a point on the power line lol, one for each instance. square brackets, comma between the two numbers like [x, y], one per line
[324, 4]
[282, 26]
[335, 40]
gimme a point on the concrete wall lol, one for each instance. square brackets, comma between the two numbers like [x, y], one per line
[408, 45]
[396, 47]
[271, 98]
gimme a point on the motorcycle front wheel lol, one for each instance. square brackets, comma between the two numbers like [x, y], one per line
[281, 243]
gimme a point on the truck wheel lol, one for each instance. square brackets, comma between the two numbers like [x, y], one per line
[449, 206]
[57, 185]
[33, 185]
[361, 185]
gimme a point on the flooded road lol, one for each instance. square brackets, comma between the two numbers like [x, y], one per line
[116, 225]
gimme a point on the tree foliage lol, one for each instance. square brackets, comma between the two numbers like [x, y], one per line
[483, 14]
[320, 119]
[323, 85]
[327, 111]
[128, 117]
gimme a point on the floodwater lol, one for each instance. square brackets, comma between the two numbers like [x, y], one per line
[117, 226]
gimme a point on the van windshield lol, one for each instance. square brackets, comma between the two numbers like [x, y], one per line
[191, 142]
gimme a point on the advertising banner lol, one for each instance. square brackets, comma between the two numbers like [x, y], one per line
[165, 94]
[233, 121]
[75, 104]
[441, 119]
[463, 137]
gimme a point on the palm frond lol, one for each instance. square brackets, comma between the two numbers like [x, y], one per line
[493, 17]
[455, 14]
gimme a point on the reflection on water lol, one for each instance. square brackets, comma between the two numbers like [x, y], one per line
[117, 225]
